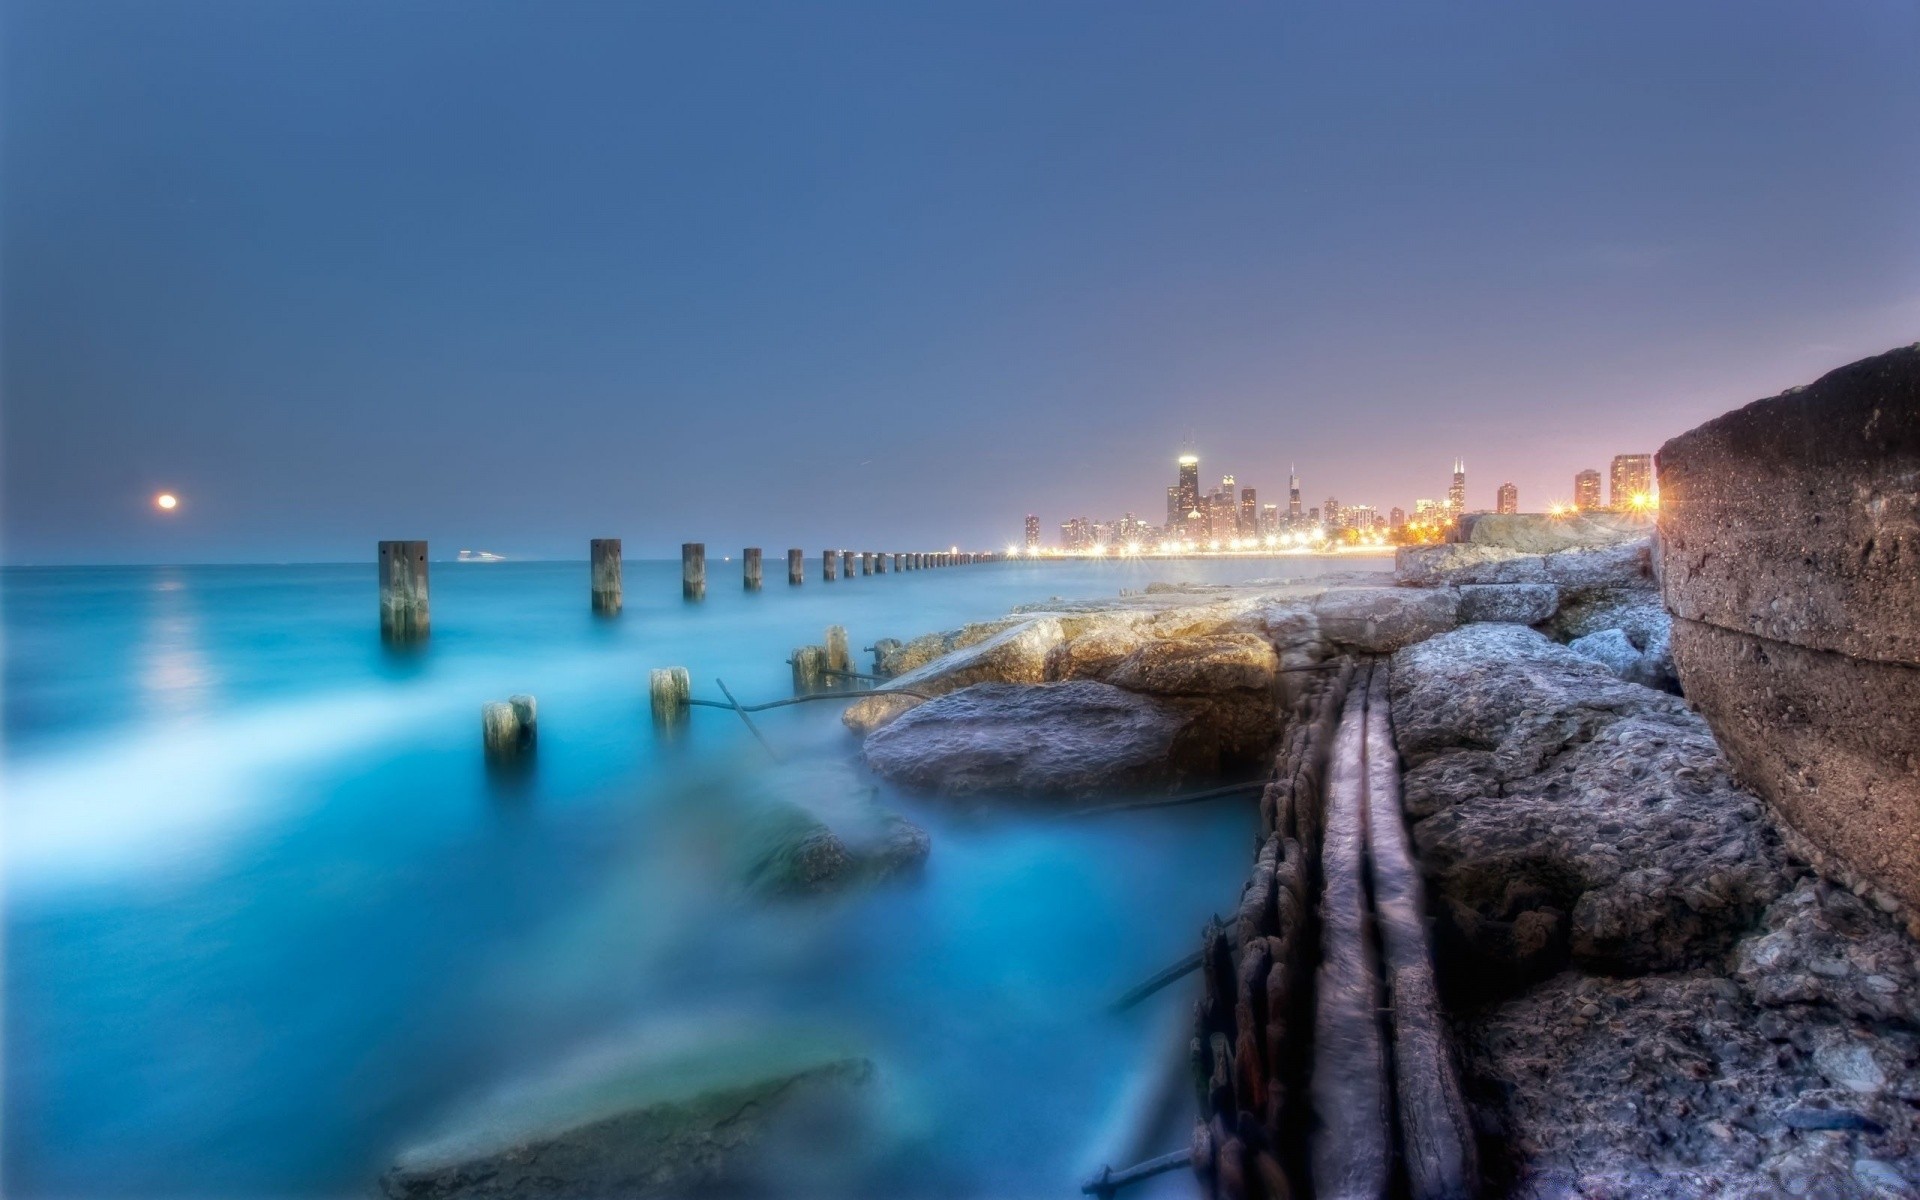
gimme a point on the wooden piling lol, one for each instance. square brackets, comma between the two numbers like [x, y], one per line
[838, 659]
[670, 689]
[693, 570]
[526, 710]
[846, 563]
[604, 555]
[404, 614]
[880, 564]
[796, 567]
[508, 728]
[809, 669]
[750, 568]
[829, 565]
[866, 562]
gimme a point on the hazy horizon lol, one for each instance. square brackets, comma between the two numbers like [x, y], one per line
[509, 277]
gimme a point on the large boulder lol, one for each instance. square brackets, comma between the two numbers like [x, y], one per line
[898, 658]
[1380, 620]
[1574, 817]
[1198, 666]
[660, 1120]
[1054, 739]
[1432, 566]
[1015, 654]
[1515, 603]
[1790, 534]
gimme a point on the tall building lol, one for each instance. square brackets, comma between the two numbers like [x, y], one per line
[1330, 513]
[1293, 495]
[1223, 516]
[1507, 499]
[1174, 515]
[1033, 531]
[1269, 520]
[1631, 481]
[1359, 516]
[1586, 490]
[1397, 519]
[1189, 495]
[1249, 513]
[1457, 490]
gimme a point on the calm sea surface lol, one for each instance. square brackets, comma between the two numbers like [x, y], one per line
[269, 920]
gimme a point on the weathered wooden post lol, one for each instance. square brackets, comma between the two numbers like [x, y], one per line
[509, 728]
[846, 563]
[670, 688]
[880, 563]
[809, 669]
[866, 562]
[403, 591]
[796, 567]
[604, 554]
[693, 570]
[750, 568]
[829, 565]
[838, 659]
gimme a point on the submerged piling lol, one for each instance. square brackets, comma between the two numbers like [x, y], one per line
[796, 567]
[404, 615]
[838, 658]
[809, 669]
[604, 555]
[693, 570]
[670, 688]
[829, 565]
[750, 568]
[508, 728]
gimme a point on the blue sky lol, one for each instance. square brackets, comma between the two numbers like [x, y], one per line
[517, 275]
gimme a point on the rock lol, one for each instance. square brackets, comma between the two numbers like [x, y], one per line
[1797, 518]
[927, 647]
[1543, 533]
[1518, 603]
[1092, 655]
[1054, 739]
[662, 1122]
[1198, 666]
[1379, 620]
[1824, 945]
[1615, 650]
[1663, 1086]
[1790, 530]
[1456, 563]
[1601, 806]
[1624, 565]
[1830, 741]
[813, 827]
[1017, 653]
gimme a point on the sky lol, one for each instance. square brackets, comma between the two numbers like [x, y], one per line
[514, 275]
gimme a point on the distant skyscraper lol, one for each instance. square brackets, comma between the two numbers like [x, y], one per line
[1223, 516]
[1269, 520]
[1586, 490]
[1293, 495]
[1457, 490]
[1507, 499]
[1330, 513]
[1174, 515]
[1033, 531]
[1397, 519]
[1632, 477]
[1249, 513]
[1189, 483]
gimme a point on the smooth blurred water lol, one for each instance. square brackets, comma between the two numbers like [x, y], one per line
[269, 920]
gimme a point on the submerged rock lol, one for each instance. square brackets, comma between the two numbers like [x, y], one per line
[665, 1121]
[812, 827]
[1053, 739]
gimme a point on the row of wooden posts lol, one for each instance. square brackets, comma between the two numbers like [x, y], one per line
[405, 614]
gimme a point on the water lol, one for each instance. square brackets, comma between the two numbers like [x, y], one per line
[269, 920]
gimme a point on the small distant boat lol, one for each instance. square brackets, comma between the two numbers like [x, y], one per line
[481, 556]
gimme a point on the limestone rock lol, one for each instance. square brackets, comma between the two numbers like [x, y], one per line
[1431, 566]
[901, 658]
[1543, 533]
[1380, 620]
[1198, 666]
[1623, 565]
[1054, 739]
[1824, 945]
[1606, 830]
[1016, 653]
[1516, 603]
[1095, 653]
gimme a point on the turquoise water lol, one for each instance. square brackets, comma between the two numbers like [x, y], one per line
[269, 920]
